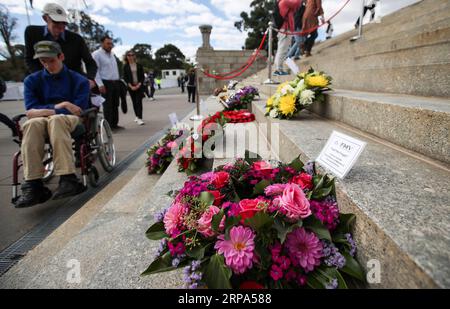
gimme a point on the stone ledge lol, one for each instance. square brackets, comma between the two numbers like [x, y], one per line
[400, 202]
[420, 124]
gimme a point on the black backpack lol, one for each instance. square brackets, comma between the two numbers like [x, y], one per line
[277, 19]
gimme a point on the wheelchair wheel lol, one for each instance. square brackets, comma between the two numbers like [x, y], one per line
[93, 177]
[49, 166]
[105, 141]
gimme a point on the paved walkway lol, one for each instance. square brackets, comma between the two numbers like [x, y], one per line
[15, 223]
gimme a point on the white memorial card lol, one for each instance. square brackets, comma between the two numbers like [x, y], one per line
[173, 119]
[340, 154]
[291, 64]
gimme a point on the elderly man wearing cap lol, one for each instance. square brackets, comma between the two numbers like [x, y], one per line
[73, 45]
[54, 99]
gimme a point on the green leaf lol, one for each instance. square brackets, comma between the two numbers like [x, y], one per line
[251, 157]
[352, 267]
[260, 187]
[321, 193]
[315, 281]
[314, 224]
[346, 222]
[197, 253]
[217, 275]
[283, 228]
[207, 198]
[160, 265]
[216, 219]
[318, 182]
[259, 220]
[297, 165]
[156, 231]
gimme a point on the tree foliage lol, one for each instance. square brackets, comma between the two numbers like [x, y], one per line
[7, 27]
[91, 31]
[256, 23]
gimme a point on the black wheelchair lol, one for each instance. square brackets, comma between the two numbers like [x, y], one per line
[92, 139]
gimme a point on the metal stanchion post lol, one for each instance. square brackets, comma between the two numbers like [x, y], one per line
[269, 80]
[197, 117]
[360, 23]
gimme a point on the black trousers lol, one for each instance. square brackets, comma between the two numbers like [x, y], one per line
[136, 98]
[309, 43]
[191, 93]
[152, 92]
[182, 87]
[372, 15]
[112, 102]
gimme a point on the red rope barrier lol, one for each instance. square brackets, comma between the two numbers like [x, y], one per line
[308, 31]
[253, 59]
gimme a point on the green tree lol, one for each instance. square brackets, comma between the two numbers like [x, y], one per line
[169, 57]
[91, 31]
[256, 23]
[144, 55]
[7, 27]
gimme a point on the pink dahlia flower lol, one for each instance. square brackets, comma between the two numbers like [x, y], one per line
[173, 219]
[293, 203]
[204, 223]
[239, 250]
[304, 248]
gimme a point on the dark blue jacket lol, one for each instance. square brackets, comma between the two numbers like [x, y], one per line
[44, 91]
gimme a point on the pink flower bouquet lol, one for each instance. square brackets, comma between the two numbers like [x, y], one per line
[257, 224]
[160, 155]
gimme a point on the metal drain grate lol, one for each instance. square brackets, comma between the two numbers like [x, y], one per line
[15, 252]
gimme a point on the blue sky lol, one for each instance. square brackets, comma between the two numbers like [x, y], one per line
[158, 22]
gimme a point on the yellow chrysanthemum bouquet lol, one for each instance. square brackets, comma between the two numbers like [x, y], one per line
[292, 97]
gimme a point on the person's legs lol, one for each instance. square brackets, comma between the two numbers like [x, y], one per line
[152, 92]
[108, 104]
[33, 143]
[295, 49]
[136, 97]
[115, 103]
[189, 89]
[33, 190]
[194, 92]
[364, 14]
[284, 42]
[59, 129]
[310, 42]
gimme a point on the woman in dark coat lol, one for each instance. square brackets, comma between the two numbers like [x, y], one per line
[133, 74]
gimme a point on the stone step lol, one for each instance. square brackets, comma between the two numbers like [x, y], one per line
[420, 124]
[401, 201]
[419, 14]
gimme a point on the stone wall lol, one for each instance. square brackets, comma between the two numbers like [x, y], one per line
[224, 61]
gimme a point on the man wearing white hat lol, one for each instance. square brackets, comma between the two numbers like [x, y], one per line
[73, 45]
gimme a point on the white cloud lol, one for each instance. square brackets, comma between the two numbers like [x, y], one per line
[232, 8]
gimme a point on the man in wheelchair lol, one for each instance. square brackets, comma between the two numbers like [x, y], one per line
[54, 99]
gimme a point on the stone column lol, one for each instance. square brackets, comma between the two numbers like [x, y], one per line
[206, 35]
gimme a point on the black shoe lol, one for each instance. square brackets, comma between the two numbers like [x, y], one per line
[68, 186]
[33, 193]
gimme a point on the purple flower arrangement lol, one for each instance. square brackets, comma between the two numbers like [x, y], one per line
[242, 98]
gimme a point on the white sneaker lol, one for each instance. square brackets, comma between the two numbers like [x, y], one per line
[140, 122]
[136, 119]
[152, 99]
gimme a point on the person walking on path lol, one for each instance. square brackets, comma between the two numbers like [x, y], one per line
[310, 23]
[295, 50]
[369, 5]
[287, 9]
[158, 82]
[73, 45]
[183, 83]
[108, 81]
[330, 30]
[151, 83]
[133, 74]
[191, 81]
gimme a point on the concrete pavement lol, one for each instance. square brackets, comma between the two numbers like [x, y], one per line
[15, 223]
